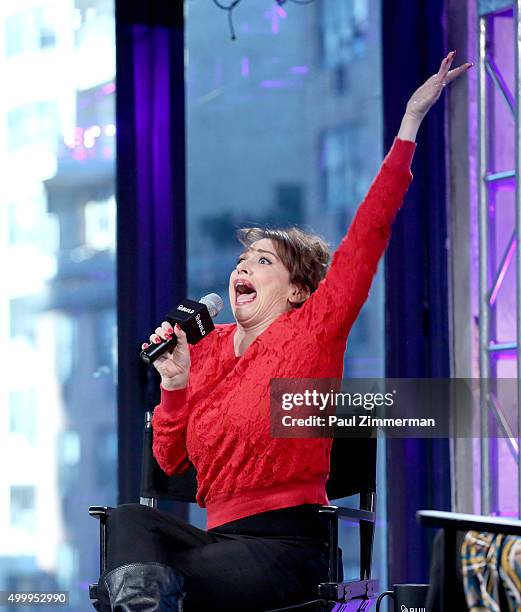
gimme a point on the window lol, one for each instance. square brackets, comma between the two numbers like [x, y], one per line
[23, 415]
[28, 32]
[29, 224]
[44, 29]
[289, 204]
[33, 123]
[66, 335]
[57, 287]
[268, 143]
[69, 444]
[23, 506]
[18, 224]
[100, 224]
[70, 449]
[345, 26]
[345, 173]
[105, 458]
[105, 342]
[16, 35]
[22, 319]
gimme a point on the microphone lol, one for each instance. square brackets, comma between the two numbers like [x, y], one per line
[194, 318]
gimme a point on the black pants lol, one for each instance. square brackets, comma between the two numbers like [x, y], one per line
[268, 560]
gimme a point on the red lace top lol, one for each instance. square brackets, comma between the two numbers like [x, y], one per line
[221, 420]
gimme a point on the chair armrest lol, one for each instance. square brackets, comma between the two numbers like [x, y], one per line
[332, 513]
[349, 591]
[355, 514]
[468, 522]
[100, 512]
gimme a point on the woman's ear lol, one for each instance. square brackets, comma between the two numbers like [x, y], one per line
[299, 295]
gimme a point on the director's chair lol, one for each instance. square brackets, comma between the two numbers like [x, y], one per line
[352, 471]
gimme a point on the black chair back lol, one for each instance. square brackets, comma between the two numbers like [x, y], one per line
[156, 484]
[352, 467]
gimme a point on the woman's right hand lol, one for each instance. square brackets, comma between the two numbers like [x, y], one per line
[173, 366]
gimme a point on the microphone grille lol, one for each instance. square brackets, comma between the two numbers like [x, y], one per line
[214, 303]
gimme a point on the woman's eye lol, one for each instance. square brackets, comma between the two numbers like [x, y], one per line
[261, 260]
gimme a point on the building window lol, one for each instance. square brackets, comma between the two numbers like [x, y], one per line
[21, 217]
[289, 200]
[106, 457]
[18, 225]
[345, 26]
[23, 415]
[33, 123]
[66, 335]
[28, 32]
[69, 445]
[30, 225]
[100, 225]
[16, 35]
[45, 32]
[106, 339]
[22, 319]
[58, 148]
[70, 448]
[344, 169]
[23, 507]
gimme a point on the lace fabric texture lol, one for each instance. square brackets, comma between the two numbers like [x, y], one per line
[221, 422]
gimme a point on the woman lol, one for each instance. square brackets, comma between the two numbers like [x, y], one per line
[266, 546]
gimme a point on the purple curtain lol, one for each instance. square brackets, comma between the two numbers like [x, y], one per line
[151, 239]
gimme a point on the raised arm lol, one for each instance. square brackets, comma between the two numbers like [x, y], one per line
[333, 308]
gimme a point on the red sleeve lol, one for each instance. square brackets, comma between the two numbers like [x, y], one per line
[333, 307]
[170, 420]
[169, 426]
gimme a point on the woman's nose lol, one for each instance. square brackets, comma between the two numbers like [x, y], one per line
[242, 266]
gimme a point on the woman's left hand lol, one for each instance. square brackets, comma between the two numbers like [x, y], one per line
[425, 96]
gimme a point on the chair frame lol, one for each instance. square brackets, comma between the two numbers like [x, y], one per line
[334, 595]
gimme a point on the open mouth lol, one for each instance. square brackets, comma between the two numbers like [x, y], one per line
[244, 292]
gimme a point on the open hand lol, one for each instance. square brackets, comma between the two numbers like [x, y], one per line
[425, 96]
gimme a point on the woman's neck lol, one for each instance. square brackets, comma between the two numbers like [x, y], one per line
[243, 337]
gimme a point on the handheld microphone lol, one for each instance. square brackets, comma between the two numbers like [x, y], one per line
[194, 318]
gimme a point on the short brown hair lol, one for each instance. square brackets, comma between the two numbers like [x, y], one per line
[305, 256]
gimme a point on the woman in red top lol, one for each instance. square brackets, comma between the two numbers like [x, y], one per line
[266, 546]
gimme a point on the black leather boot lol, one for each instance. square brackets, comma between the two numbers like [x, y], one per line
[143, 587]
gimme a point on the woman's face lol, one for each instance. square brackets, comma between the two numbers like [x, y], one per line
[260, 288]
